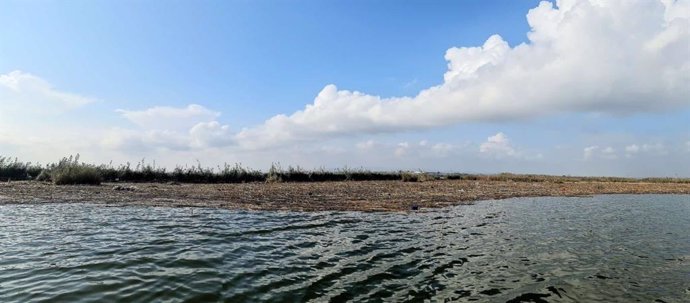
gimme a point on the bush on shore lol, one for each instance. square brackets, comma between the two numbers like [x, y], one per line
[13, 169]
[70, 172]
[44, 176]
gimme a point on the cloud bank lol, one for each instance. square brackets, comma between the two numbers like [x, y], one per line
[612, 57]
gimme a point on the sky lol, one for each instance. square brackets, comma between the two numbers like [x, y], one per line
[569, 87]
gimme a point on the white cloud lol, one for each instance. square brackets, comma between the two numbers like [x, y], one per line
[498, 146]
[141, 140]
[27, 101]
[595, 151]
[211, 134]
[464, 62]
[20, 90]
[589, 151]
[36, 116]
[423, 149]
[171, 128]
[613, 57]
[165, 117]
[655, 149]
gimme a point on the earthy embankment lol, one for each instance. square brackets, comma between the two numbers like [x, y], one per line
[362, 196]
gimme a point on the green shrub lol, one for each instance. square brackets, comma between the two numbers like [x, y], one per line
[69, 172]
[13, 169]
[77, 175]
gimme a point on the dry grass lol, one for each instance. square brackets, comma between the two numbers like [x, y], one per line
[416, 177]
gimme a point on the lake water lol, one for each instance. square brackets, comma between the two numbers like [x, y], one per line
[618, 248]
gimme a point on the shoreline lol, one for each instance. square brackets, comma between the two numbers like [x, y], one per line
[317, 196]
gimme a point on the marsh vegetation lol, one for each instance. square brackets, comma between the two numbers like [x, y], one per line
[70, 170]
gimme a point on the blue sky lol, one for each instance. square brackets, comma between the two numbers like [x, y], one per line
[227, 53]
[138, 63]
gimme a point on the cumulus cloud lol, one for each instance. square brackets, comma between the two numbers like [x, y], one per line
[162, 127]
[613, 57]
[498, 146]
[211, 134]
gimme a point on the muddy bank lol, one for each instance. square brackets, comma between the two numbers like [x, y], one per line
[362, 196]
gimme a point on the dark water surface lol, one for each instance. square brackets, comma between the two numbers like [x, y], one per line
[620, 248]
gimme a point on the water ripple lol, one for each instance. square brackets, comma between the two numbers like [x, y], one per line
[605, 248]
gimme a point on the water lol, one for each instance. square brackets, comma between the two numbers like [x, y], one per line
[606, 248]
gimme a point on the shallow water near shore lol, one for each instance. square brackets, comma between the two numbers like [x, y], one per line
[616, 248]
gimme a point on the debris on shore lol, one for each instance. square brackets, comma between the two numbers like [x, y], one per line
[318, 196]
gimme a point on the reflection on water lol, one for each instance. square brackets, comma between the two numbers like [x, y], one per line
[606, 248]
